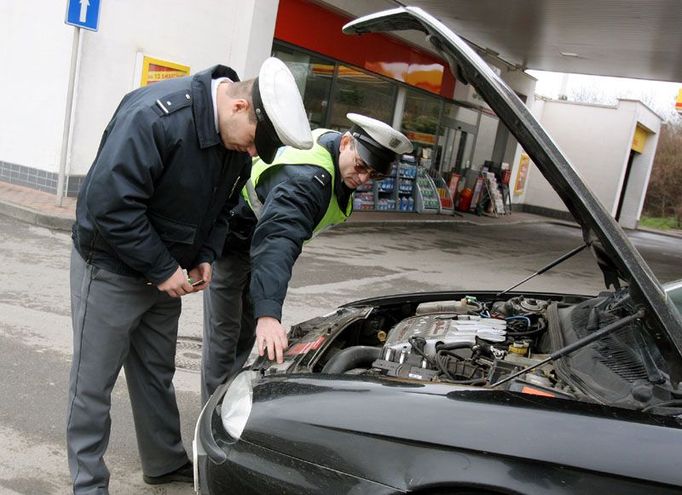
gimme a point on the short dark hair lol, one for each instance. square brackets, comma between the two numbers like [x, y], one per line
[243, 89]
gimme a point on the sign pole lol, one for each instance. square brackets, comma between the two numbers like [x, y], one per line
[81, 14]
[68, 113]
[74, 106]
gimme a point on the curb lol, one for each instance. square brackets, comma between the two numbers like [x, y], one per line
[421, 223]
[667, 233]
[408, 223]
[36, 218]
[54, 222]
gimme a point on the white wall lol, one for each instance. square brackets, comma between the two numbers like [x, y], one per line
[596, 141]
[35, 56]
[37, 46]
[237, 33]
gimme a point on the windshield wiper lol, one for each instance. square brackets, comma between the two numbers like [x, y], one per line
[542, 270]
[578, 344]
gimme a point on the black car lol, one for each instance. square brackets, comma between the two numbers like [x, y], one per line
[467, 392]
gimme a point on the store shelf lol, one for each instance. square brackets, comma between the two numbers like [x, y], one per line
[446, 203]
[407, 172]
[394, 193]
[363, 198]
[385, 194]
[426, 196]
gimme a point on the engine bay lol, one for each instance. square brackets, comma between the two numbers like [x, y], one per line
[469, 342]
[479, 340]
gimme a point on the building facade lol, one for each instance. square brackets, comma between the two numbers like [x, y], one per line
[398, 79]
[611, 146]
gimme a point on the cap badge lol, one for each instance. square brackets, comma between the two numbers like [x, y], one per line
[395, 142]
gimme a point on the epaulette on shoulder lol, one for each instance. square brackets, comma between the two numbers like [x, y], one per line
[172, 102]
[322, 177]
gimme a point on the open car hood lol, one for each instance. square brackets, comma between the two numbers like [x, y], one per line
[615, 255]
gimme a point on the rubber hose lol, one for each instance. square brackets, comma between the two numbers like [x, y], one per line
[352, 357]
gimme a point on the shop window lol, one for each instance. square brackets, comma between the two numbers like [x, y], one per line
[457, 134]
[420, 125]
[314, 79]
[359, 92]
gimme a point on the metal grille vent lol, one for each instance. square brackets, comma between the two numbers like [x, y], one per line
[619, 357]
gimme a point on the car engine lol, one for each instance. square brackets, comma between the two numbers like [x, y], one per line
[463, 342]
[485, 341]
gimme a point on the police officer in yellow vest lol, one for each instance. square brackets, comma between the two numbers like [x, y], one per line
[284, 204]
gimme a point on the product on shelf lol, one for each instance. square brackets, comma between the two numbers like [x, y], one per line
[444, 196]
[427, 199]
[363, 201]
[386, 204]
[408, 171]
[396, 192]
[387, 184]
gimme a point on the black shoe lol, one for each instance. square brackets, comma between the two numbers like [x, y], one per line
[184, 474]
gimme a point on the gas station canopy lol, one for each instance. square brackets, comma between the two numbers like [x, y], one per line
[624, 38]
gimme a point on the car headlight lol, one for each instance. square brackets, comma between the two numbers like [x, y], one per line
[237, 402]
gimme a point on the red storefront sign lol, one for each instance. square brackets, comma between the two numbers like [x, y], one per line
[315, 28]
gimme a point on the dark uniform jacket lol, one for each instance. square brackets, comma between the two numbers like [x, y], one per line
[159, 192]
[295, 199]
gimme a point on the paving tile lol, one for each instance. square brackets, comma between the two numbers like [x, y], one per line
[39, 201]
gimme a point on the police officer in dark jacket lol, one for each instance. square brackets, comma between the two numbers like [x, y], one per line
[155, 202]
[284, 204]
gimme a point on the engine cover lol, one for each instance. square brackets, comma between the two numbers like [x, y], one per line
[445, 328]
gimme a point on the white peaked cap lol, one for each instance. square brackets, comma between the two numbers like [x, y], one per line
[280, 114]
[379, 142]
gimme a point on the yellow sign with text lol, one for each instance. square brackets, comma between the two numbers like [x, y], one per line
[639, 139]
[522, 174]
[155, 70]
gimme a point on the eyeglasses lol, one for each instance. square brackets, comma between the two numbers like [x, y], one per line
[362, 168]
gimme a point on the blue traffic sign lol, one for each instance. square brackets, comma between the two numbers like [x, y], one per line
[83, 13]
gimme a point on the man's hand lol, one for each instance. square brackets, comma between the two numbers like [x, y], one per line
[177, 285]
[270, 335]
[201, 272]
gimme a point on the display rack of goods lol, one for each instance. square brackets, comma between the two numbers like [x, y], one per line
[427, 199]
[407, 172]
[497, 203]
[385, 197]
[446, 203]
[477, 192]
[386, 185]
[385, 204]
[363, 199]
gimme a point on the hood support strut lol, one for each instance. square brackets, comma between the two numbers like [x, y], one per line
[542, 270]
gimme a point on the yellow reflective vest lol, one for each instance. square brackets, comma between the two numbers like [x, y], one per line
[319, 156]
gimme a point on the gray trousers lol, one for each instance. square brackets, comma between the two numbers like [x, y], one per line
[119, 322]
[229, 328]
